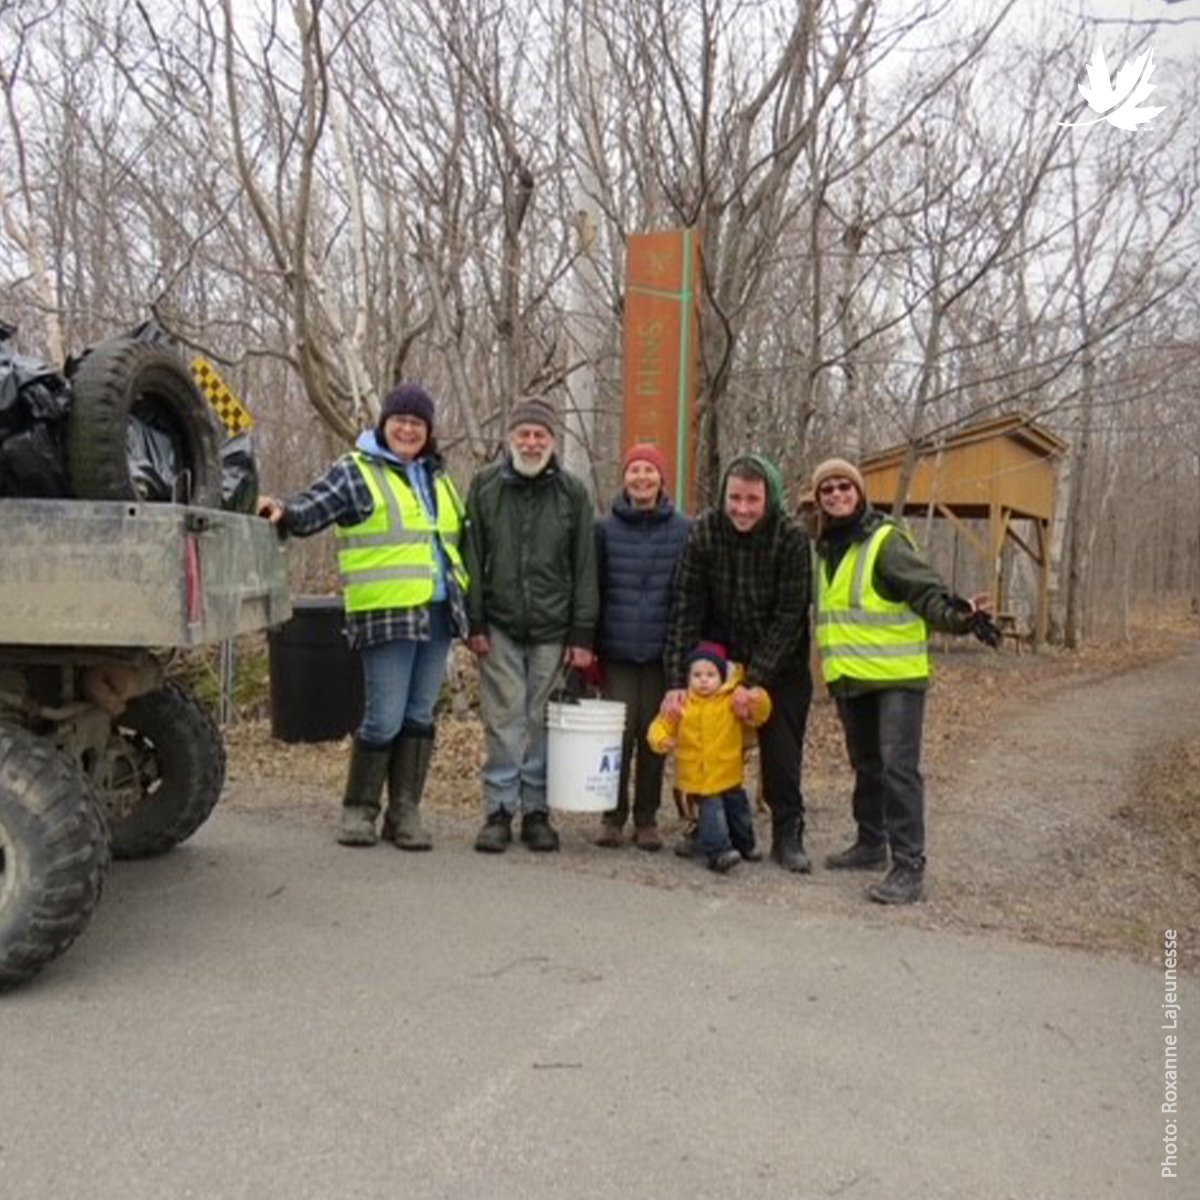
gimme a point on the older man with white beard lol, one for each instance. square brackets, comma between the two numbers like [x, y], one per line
[532, 607]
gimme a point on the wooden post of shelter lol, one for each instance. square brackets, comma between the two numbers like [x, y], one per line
[998, 471]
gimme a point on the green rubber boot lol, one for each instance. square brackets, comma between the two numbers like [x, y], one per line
[364, 785]
[407, 770]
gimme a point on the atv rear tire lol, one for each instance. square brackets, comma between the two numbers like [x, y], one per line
[53, 854]
[161, 774]
[122, 379]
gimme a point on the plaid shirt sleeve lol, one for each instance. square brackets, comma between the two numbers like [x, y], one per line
[340, 495]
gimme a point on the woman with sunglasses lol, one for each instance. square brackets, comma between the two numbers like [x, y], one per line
[876, 599]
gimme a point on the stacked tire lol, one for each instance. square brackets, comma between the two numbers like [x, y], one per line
[128, 379]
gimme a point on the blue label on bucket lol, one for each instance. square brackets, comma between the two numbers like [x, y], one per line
[600, 780]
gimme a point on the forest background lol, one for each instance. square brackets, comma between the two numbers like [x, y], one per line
[900, 235]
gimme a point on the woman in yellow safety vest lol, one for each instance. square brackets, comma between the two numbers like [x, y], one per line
[875, 599]
[399, 524]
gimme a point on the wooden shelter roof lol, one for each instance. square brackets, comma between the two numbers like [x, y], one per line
[1008, 462]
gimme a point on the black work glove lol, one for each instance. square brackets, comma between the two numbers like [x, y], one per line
[985, 629]
[979, 623]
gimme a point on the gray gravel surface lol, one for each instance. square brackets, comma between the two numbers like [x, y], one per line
[263, 1014]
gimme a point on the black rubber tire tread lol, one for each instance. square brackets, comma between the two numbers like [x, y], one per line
[56, 855]
[190, 757]
[113, 378]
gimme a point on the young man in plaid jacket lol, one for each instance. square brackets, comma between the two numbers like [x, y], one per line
[745, 582]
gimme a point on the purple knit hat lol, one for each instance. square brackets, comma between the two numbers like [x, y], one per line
[407, 400]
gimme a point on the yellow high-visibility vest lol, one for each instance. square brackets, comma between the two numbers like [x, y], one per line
[862, 635]
[389, 560]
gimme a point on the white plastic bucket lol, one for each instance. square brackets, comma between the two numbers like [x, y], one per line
[583, 754]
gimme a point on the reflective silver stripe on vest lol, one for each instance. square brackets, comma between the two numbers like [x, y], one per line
[389, 497]
[860, 570]
[385, 574]
[849, 617]
[368, 541]
[907, 651]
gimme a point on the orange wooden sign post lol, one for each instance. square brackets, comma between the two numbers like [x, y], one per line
[662, 334]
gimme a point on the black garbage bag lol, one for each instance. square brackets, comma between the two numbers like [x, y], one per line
[152, 454]
[239, 474]
[31, 464]
[123, 421]
[34, 403]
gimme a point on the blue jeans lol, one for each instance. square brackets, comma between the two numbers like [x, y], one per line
[725, 823]
[402, 681]
[515, 681]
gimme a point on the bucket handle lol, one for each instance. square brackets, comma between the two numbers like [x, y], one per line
[569, 686]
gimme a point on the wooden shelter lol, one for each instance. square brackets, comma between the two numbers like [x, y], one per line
[998, 471]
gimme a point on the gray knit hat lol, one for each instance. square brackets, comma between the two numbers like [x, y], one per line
[532, 411]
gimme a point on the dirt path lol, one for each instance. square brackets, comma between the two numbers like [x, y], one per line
[1034, 829]
[1039, 834]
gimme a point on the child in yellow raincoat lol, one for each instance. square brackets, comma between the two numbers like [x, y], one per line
[706, 739]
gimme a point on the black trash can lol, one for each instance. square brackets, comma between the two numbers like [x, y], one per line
[316, 679]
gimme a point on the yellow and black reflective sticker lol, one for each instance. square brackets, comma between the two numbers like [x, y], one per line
[231, 412]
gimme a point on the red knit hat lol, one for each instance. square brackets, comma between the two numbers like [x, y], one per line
[645, 452]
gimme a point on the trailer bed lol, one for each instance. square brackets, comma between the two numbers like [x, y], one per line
[116, 573]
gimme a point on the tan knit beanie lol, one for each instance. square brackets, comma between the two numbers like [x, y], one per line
[838, 468]
[833, 468]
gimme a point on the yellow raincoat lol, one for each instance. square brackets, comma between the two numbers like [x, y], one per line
[708, 738]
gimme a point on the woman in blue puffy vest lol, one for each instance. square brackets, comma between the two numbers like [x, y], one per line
[637, 547]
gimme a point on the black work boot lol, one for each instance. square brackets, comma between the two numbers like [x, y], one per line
[496, 833]
[409, 766]
[787, 847]
[364, 785]
[903, 884]
[859, 857]
[537, 832]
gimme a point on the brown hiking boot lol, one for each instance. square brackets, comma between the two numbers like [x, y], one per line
[647, 837]
[610, 835]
